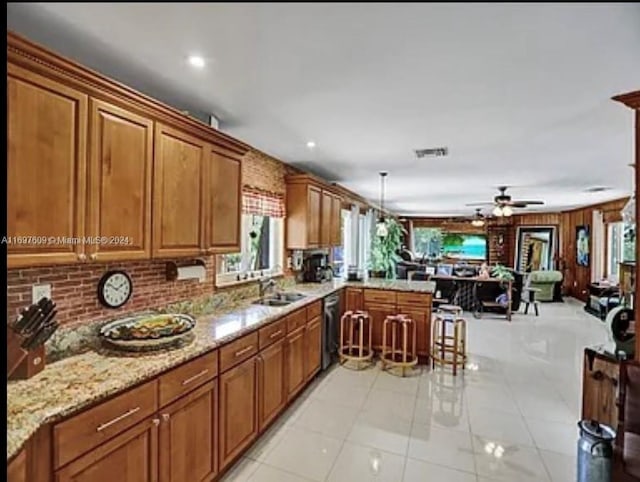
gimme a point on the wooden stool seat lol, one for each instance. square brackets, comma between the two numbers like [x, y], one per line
[452, 309]
[355, 339]
[400, 330]
[449, 349]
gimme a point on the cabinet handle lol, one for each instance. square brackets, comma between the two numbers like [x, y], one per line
[274, 334]
[117, 419]
[94, 256]
[82, 257]
[166, 417]
[243, 351]
[197, 375]
[156, 421]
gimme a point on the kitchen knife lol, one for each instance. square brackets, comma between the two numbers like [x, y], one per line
[41, 336]
[27, 314]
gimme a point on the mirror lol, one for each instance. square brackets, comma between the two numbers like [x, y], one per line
[535, 248]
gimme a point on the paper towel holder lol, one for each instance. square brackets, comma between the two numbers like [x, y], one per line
[172, 267]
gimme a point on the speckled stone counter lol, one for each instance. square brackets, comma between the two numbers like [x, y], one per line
[76, 382]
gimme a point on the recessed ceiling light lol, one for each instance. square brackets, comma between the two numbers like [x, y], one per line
[311, 144]
[196, 61]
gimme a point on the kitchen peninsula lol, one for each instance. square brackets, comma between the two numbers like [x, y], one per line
[90, 408]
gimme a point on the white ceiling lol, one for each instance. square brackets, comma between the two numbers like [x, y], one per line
[520, 94]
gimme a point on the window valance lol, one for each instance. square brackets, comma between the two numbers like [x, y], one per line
[262, 203]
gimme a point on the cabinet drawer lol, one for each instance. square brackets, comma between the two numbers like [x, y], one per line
[296, 320]
[380, 296]
[314, 310]
[187, 377]
[238, 351]
[418, 299]
[96, 425]
[272, 333]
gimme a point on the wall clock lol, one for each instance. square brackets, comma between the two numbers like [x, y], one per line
[115, 289]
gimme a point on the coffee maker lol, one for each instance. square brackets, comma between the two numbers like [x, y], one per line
[317, 268]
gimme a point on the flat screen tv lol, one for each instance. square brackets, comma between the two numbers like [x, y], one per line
[464, 246]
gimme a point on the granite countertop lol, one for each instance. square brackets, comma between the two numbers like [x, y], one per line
[81, 380]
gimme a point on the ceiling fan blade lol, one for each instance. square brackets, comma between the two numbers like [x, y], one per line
[480, 204]
[522, 201]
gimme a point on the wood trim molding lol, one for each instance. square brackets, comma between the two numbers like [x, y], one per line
[30, 55]
[630, 99]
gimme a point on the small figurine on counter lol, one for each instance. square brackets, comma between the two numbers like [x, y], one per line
[484, 271]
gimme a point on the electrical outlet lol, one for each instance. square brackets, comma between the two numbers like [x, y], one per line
[40, 291]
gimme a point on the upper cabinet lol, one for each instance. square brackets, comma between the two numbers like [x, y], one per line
[224, 195]
[98, 172]
[178, 193]
[119, 195]
[313, 214]
[46, 169]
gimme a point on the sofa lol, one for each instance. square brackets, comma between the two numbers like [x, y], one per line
[547, 282]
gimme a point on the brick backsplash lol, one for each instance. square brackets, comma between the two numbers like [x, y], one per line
[74, 288]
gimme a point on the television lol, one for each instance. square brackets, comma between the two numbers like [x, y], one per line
[464, 246]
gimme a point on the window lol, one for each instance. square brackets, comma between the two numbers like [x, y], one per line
[261, 244]
[427, 242]
[620, 247]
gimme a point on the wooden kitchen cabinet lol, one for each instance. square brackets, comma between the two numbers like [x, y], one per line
[272, 395]
[336, 221]
[17, 468]
[326, 236]
[128, 457]
[295, 361]
[225, 202]
[378, 313]
[238, 411]
[313, 347]
[422, 319]
[188, 439]
[119, 182]
[46, 169]
[353, 299]
[178, 193]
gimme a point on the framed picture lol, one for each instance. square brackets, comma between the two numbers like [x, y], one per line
[582, 245]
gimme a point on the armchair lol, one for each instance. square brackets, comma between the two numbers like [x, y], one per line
[546, 282]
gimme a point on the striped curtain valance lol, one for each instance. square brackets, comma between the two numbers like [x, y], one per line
[262, 203]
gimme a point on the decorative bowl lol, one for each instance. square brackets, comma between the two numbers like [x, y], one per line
[148, 331]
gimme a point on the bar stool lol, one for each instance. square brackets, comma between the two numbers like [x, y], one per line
[356, 326]
[447, 349]
[454, 310]
[401, 330]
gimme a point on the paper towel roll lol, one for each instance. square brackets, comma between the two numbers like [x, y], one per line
[191, 272]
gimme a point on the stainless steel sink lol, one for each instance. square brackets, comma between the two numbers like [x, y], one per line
[280, 299]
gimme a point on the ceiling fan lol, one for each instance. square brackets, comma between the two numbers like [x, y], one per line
[478, 220]
[504, 204]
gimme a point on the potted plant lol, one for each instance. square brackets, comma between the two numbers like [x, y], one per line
[385, 249]
[502, 273]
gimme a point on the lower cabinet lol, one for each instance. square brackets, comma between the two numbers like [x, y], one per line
[423, 327]
[378, 313]
[272, 395]
[189, 436]
[17, 469]
[238, 410]
[295, 361]
[313, 353]
[129, 457]
[353, 299]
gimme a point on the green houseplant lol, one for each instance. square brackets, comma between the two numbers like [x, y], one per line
[502, 273]
[384, 250]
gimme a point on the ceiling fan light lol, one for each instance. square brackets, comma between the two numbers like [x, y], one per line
[507, 211]
[497, 211]
[478, 223]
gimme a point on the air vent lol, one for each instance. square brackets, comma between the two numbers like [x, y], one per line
[597, 189]
[433, 152]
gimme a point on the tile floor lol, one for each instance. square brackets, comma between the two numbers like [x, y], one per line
[510, 417]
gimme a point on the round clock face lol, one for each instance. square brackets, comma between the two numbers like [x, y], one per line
[115, 289]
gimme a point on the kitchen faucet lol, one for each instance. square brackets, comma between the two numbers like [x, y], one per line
[264, 285]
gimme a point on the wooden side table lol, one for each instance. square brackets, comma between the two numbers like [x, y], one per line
[600, 379]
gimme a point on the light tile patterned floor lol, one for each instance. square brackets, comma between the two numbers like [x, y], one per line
[510, 417]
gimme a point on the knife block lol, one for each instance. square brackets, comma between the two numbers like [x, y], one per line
[22, 364]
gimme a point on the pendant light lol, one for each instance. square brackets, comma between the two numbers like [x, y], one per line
[381, 226]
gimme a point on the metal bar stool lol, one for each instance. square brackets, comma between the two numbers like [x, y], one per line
[355, 339]
[449, 349]
[401, 330]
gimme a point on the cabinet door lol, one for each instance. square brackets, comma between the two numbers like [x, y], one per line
[271, 386]
[313, 345]
[378, 313]
[336, 221]
[225, 203]
[46, 169]
[325, 216]
[17, 468]
[354, 299]
[295, 361]
[178, 185]
[422, 319]
[238, 410]
[129, 457]
[189, 436]
[314, 210]
[599, 391]
[120, 166]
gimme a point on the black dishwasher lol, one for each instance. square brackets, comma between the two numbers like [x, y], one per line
[330, 324]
